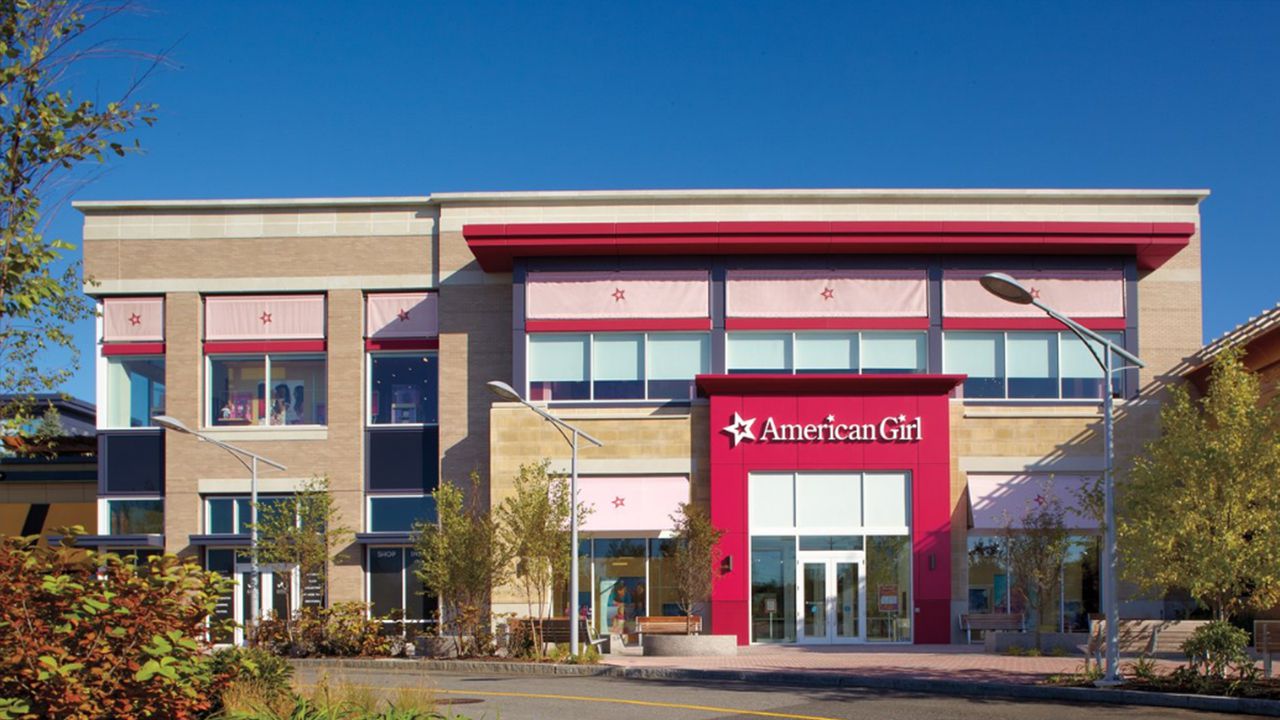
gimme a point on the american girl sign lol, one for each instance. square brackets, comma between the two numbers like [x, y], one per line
[894, 428]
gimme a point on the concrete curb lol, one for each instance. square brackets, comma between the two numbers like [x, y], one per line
[957, 688]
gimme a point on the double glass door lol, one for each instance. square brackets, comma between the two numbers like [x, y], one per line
[832, 591]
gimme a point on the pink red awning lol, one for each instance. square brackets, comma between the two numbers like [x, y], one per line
[997, 499]
[264, 317]
[632, 503]
[128, 320]
[827, 294]
[627, 295]
[1076, 294]
[399, 316]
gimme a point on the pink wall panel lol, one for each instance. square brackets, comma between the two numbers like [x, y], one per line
[826, 293]
[1078, 294]
[401, 315]
[617, 295]
[264, 317]
[133, 319]
[628, 503]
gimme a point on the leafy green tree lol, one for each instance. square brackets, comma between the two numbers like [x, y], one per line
[1200, 509]
[695, 558]
[1036, 546]
[46, 133]
[304, 530]
[461, 558]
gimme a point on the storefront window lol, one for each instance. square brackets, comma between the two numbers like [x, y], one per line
[1080, 583]
[1081, 373]
[988, 578]
[394, 588]
[240, 392]
[558, 367]
[135, 517]
[759, 352]
[825, 352]
[403, 388]
[1077, 593]
[893, 352]
[135, 391]
[1033, 365]
[619, 566]
[888, 588]
[617, 367]
[981, 357]
[773, 589]
[664, 598]
[1030, 365]
[400, 513]
[674, 360]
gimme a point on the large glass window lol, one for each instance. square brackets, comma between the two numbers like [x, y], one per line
[135, 517]
[773, 589]
[267, 390]
[135, 390]
[826, 352]
[664, 598]
[394, 588]
[1076, 595]
[823, 503]
[888, 588]
[616, 366]
[400, 513]
[1027, 365]
[403, 388]
[620, 588]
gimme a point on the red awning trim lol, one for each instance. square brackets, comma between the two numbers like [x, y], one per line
[621, 325]
[225, 347]
[833, 323]
[496, 246]
[842, 384]
[139, 348]
[1022, 323]
[403, 344]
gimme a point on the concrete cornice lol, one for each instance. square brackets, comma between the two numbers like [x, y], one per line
[822, 194]
[96, 206]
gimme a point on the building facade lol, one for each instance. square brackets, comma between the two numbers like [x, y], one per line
[819, 369]
[49, 482]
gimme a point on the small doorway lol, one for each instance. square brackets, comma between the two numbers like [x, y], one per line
[832, 602]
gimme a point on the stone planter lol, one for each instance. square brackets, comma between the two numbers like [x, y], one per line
[1070, 643]
[689, 645]
[433, 646]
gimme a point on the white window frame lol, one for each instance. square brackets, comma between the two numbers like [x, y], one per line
[368, 507]
[1004, 345]
[404, 583]
[104, 510]
[791, 348]
[368, 386]
[207, 418]
[106, 405]
[235, 512]
[591, 355]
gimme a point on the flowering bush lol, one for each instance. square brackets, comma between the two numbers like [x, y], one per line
[343, 630]
[85, 635]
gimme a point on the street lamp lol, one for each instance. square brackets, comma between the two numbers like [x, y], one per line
[1006, 288]
[255, 574]
[506, 392]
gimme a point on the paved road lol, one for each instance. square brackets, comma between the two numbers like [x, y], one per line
[505, 697]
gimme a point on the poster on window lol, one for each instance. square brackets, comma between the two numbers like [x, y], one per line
[887, 598]
[292, 403]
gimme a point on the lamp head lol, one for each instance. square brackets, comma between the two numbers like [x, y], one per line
[171, 423]
[504, 391]
[1006, 288]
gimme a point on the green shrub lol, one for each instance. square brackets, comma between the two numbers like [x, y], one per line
[1215, 648]
[269, 674]
[343, 630]
[84, 635]
[1144, 668]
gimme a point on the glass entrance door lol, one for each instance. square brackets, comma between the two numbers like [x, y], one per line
[832, 589]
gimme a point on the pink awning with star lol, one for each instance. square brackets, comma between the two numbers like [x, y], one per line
[1074, 293]
[264, 317]
[401, 316]
[827, 293]
[998, 499]
[134, 319]
[623, 295]
[632, 503]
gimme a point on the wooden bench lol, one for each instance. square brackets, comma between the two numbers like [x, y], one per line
[1151, 637]
[556, 630]
[669, 624]
[1266, 640]
[990, 621]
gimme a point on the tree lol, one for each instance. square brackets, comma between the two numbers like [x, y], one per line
[45, 134]
[461, 558]
[1200, 509]
[534, 523]
[695, 558]
[1036, 546]
[304, 530]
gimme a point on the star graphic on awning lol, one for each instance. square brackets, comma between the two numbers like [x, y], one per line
[740, 430]
[619, 294]
[619, 502]
[135, 319]
[1035, 293]
[403, 315]
[265, 318]
[1040, 500]
[828, 293]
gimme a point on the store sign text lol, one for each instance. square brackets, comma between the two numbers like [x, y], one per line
[894, 428]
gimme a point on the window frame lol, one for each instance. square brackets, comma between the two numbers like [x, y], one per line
[368, 386]
[1063, 337]
[235, 511]
[207, 416]
[368, 507]
[858, 336]
[645, 369]
[104, 512]
[107, 396]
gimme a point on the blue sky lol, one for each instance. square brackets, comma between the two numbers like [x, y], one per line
[397, 98]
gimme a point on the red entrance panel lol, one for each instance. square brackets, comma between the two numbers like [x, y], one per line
[912, 433]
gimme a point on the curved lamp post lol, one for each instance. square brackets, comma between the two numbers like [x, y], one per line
[255, 573]
[1006, 288]
[506, 392]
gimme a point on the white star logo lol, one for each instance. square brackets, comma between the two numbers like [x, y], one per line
[740, 430]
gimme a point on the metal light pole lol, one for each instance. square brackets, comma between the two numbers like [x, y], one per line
[255, 572]
[506, 392]
[1006, 288]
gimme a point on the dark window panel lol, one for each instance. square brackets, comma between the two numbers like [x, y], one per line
[402, 459]
[131, 463]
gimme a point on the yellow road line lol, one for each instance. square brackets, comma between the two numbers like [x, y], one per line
[616, 701]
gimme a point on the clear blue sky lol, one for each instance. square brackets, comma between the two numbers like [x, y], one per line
[399, 98]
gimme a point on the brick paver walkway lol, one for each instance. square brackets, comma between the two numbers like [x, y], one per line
[950, 662]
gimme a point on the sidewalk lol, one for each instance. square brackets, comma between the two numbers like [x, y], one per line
[923, 662]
